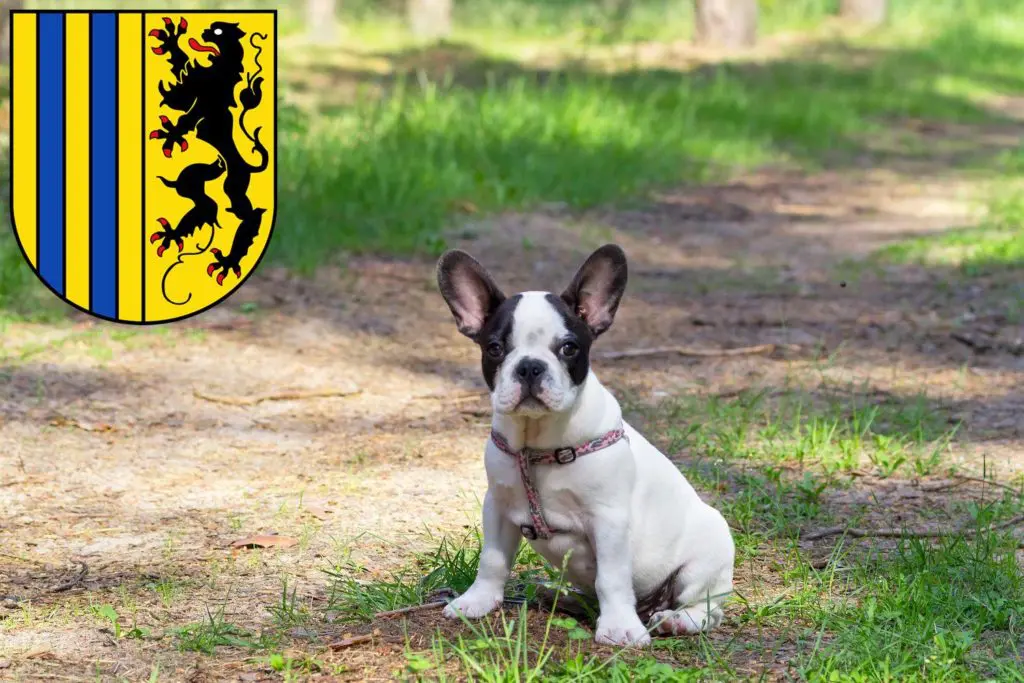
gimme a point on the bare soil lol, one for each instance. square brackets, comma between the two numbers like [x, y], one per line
[113, 463]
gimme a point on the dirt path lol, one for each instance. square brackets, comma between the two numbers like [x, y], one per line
[108, 456]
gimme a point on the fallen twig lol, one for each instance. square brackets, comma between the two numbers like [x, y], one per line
[967, 340]
[74, 581]
[982, 480]
[942, 486]
[960, 480]
[449, 396]
[897, 533]
[700, 353]
[350, 641]
[284, 396]
[414, 608]
[820, 562]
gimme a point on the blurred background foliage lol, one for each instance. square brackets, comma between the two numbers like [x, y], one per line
[399, 116]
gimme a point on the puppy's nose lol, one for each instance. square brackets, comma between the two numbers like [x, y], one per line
[530, 370]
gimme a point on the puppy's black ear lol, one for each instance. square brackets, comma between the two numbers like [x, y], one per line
[596, 290]
[470, 292]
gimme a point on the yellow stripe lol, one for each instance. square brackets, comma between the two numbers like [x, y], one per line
[25, 178]
[76, 145]
[129, 187]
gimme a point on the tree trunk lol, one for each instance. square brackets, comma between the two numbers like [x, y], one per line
[430, 19]
[5, 28]
[322, 21]
[864, 11]
[726, 23]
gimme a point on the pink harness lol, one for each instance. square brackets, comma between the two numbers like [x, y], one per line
[557, 456]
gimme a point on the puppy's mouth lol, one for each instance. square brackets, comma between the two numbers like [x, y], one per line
[531, 403]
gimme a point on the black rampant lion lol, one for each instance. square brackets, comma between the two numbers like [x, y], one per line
[205, 96]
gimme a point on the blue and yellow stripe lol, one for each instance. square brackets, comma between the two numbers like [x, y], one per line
[78, 156]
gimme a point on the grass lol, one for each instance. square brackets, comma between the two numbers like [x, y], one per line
[393, 169]
[825, 431]
[450, 565]
[947, 609]
[388, 174]
[213, 632]
[934, 612]
[990, 253]
[392, 174]
[992, 247]
[508, 651]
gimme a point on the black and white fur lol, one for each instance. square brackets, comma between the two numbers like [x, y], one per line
[626, 515]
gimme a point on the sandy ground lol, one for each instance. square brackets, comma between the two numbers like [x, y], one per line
[119, 458]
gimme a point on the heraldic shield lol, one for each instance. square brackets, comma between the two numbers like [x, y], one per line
[144, 156]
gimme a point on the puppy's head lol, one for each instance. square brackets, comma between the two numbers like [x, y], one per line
[535, 346]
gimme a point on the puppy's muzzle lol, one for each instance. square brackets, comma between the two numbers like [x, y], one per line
[530, 372]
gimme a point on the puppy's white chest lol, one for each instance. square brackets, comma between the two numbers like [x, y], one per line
[558, 505]
[560, 509]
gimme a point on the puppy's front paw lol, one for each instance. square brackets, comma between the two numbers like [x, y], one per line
[625, 630]
[472, 605]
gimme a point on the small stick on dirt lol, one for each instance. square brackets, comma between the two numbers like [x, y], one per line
[449, 396]
[349, 642]
[414, 608]
[820, 563]
[982, 480]
[699, 353]
[958, 480]
[944, 486]
[285, 396]
[966, 340]
[897, 533]
[73, 582]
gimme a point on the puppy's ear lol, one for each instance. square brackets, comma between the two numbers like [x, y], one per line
[469, 291]
[595, 292]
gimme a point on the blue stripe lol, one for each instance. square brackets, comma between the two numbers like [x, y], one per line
[103, 163]
[51, 150]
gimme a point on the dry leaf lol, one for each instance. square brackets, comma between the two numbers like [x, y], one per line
[61, 421]
[349, 641]
[809, 210]
[317, 509]
[39, 653]
[465, 206]
[95, 426]
[266, 541]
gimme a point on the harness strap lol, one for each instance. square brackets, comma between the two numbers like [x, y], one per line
[557, 456]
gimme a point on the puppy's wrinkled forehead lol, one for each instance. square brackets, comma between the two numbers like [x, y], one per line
[536, 322]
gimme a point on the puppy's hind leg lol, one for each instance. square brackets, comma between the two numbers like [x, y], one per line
[703, 586]
[695, 610]
[500, 542]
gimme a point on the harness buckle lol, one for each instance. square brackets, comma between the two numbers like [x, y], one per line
[564, 456]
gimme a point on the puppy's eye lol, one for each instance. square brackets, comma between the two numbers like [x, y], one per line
[569, 349]
[495, 350]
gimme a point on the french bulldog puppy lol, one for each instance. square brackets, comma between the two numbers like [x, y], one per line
[565, 472]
